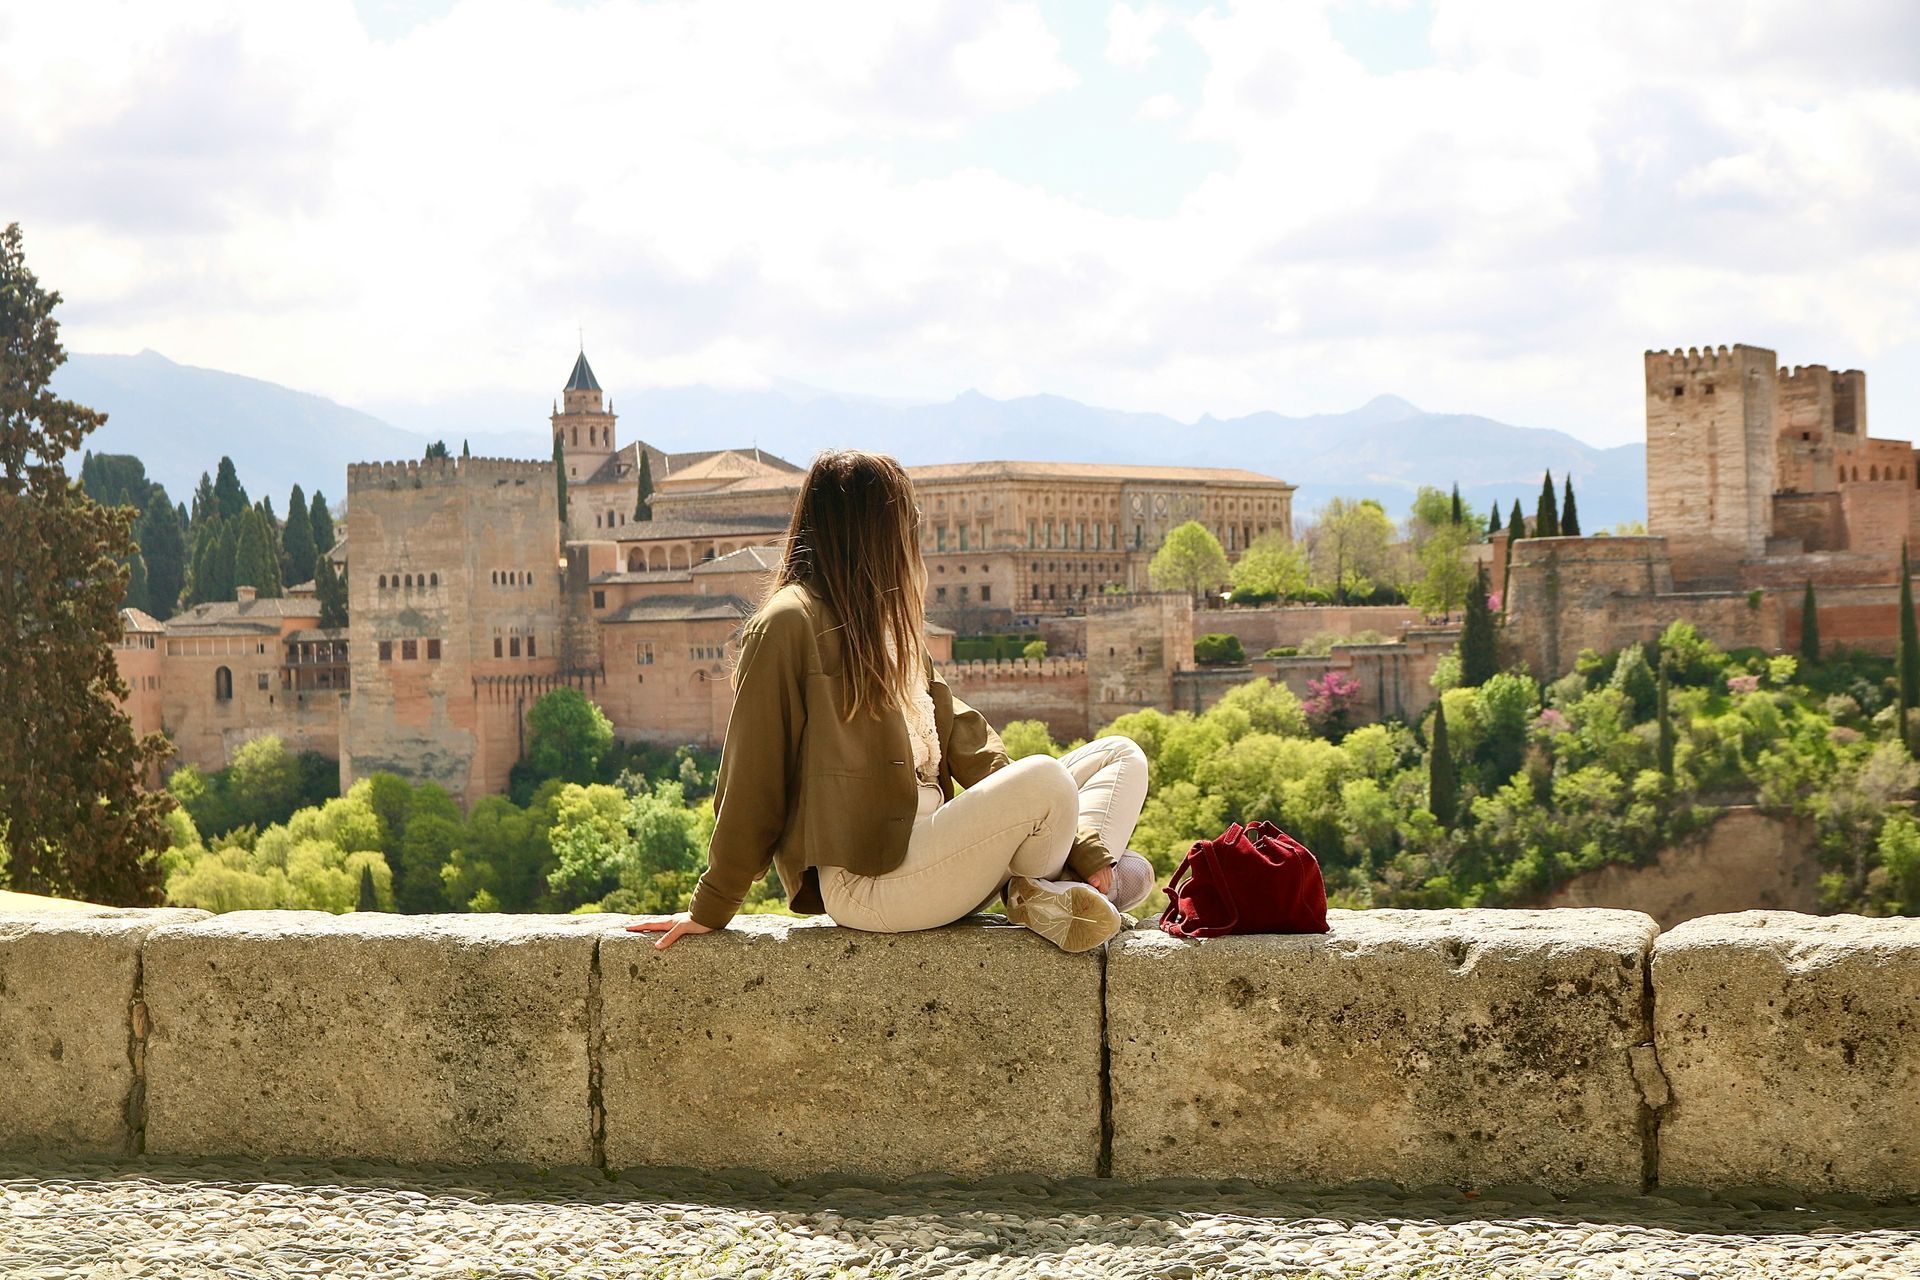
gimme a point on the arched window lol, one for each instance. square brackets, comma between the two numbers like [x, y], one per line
[222, 684]
[1873, 473]
[409, 582]
[433, 579]
[383, 582]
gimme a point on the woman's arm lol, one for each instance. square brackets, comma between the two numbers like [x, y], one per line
[757, 763]
[974, 750]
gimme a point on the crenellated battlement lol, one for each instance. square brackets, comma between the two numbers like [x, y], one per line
[1695, 359]
[418, 472]
[1017, 668]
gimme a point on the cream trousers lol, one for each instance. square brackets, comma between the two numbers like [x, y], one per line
[1018, 821]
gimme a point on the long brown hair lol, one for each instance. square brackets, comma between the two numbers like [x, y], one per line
[854, 542]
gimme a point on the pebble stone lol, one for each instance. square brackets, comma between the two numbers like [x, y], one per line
[109, 1220]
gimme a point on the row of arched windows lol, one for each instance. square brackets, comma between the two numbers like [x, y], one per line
[408, 581]
[595, 436]
[512, 577]
[1873, 473]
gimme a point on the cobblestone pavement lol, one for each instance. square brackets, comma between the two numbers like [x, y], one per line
[138, 1218]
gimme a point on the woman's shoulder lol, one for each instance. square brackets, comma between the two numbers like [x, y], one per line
[789, 611]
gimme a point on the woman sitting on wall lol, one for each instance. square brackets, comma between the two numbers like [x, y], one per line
[845, 744]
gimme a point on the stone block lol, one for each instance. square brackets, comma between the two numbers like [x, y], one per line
[69, 980]
[1791, 1044]
[799, 1047]
[1460, 1047]
[407, 1038]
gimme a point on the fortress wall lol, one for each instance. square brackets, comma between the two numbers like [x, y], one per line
[1263, 629]
[1563, 1048]
[1052, 690]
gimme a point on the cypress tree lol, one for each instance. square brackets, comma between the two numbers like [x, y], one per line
[1443, 788]
[256, 564]
[1477, 656]
[322, 521]
[205, 505]
[1569, 518]
[228, 497]
[137, 597]
[464, 451]
[1666, 722]
[438, 449]
[642, 506]
[1459, 511]
[80, 821]
[226, 552]
[1493, 519]
[1516, 530]
[163, 545]
[369, 899]
[265, 508]
[1809, 626]
[330, 592]
[560, 477]
[1909, 664]
[1546, 519]
[1516, 523]
[297, 538]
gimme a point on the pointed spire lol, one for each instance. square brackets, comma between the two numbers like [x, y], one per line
[582, 378]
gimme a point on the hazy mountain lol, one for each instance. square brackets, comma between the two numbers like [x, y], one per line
[180, 419]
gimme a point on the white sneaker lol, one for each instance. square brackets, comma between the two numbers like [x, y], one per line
[1133, 881]
[1071, 915]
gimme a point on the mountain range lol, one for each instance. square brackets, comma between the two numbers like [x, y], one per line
[179, 420]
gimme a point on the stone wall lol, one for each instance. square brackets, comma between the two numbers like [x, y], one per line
[1263, 629]
[1569, 1049]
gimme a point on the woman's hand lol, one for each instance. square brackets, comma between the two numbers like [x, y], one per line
[1103, 879]
[674, 927]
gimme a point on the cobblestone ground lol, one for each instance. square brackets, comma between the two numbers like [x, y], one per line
[281, 1219]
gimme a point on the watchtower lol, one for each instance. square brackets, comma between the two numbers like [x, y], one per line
[584, 428]
[1710, 457]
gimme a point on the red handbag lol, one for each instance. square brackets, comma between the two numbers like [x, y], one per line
[1253, 879]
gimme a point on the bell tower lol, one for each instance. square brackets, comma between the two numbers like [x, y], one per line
[583, 428]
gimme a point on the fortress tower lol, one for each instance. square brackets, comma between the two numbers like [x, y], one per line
[584, 428]
[456, 594]
[1710, 457]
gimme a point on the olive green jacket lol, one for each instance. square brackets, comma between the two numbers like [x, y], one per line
[802, 787]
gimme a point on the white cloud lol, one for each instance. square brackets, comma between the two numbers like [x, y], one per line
[1133, 35]
[706, 186]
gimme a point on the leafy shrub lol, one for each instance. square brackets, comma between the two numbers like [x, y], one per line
[1215, 649]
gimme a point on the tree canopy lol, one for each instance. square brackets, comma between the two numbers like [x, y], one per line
[1190, 560]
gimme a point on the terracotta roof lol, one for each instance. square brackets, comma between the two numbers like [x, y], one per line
[682, 608]
[717, 527]
[622, 466]
[132, 620]
[317, 633]
[758, 559]
[250, 613]
[642, 575]
[977, 472]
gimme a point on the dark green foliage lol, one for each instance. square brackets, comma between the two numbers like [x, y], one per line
[229, 499]
[1569, 518]
[1546, 516]
[1661, 709]
[330, 592]
[137, 582]
[1219, 650]
[566, 736]
[464, 451]
[322, 521]
[1443, 787]
[256, 561]
[369, 900]
[1516, 523]
[438, 449]
[78, 821]
[296, 540]
[1809, 626]
[163, 545]
[1907, 663]
[265, 784]
[117, 480]
[205, 505]
[1478, 654]
[993, 646]
[642, 508]
[1493, 520]
[1459, 512]
[560, 477]
[1633, 676]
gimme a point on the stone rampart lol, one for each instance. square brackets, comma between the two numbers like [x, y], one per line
[1567, 1048]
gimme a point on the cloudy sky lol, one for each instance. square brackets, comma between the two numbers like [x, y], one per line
[1482, 205]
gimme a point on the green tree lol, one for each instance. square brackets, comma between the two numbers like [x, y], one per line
[1459, 511]
[229, 498]
[1569, 518]
[438, 449]
[1809, 626]
[566, 736]
[1493, 519]
[205, 505]
[256, 562]
[322, 521]
[1023, 738]
[1444, 577]
[369, 899]
[1516, 530]
[163, 546]
[1350, 544]
[1443, 787]
[264, 781]
[116, 480]
[1546, 518]
[1190, 560]
[76, 819]
[1909, 660]
[226, 558]
[1663, 710]
[1273, 566]
[137, 582]
[1479, 658]
[560, 477]
[1034, 650]
[296, 540]
[643, 498]
[464, 451]
[330, 592]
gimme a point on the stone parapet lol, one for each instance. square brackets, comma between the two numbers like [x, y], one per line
[1467, 1047]
[1564, 1048]
[1791, 1044]
[798, 1047]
